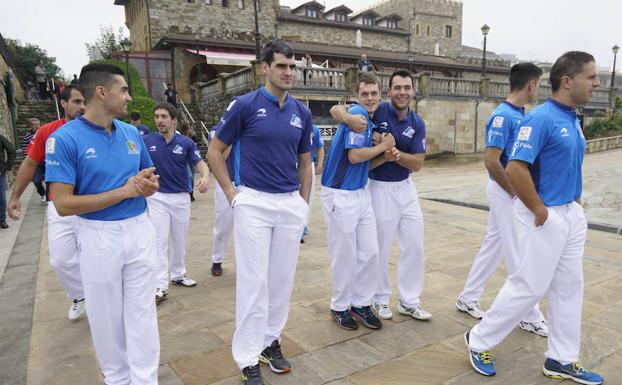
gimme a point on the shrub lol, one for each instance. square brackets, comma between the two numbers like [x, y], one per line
[144, 105]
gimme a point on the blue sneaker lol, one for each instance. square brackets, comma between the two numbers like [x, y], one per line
[480, 361]
[573, 371]
[306, 231]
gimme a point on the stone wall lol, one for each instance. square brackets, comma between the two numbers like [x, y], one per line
[137, 21]
[6, 125]
[198, 20]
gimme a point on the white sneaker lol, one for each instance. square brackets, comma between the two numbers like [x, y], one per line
[382, 310]
[540, 328]
[43, 199]
[160, 294]
[78, 307]
[184, 281]
[415, 312]
[471, 308]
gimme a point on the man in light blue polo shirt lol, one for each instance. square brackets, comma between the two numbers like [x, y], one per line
[317, 164]
[169, 207]
[346, 202]
[270, 135]
[500, 239]
[545, 171]
[100, 170]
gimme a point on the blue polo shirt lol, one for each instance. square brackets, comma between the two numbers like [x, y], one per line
[172, 160]
[339, 173]
[92, 160]
[550, 139]
[267, 140]
[500, 128]
[316, 142]
[409, 134]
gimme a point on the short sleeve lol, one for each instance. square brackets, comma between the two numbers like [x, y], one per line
[145, 158]
[498, 130]
[529, 138]
[194, 154]
[417, 145]
[61, 160]
[306, 140]
[36, 148]
[229, 128]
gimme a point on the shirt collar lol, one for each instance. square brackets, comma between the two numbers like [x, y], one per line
[517, 108]
[271, 97]
[94, 126]
[561, 105]
[394, 111]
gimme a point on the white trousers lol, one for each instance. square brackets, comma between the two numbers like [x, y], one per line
[170, 214]
[397, 211]
[551, 264]
[63, 251]
[117, 261]
[352, 245]
[266, 240]
[311, 193]
[500, 240]
[223, 225]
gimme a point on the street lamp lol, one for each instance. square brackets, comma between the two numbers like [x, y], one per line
[126, 44]
[615, 50]
[485, 29]
[257, 34]
[411, 60]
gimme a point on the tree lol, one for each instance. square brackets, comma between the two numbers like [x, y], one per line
[27, 56]
[106, 44]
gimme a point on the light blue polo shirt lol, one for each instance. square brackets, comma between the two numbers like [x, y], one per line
[550, 139]
[92, 160]
[316, 143]
[339, 173]
[267, 140]
[500, 128]
[409, 134]
[172, 160]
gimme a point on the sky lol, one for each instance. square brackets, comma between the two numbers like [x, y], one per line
[533, 29]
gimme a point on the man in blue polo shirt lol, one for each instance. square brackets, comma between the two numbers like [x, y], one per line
[169, 207]
[135, 121]
[346, 202]
[500, 240]
[545, 172]
[270, 135]
[317, 164]
[100, 170]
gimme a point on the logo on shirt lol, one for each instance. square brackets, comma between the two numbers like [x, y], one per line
[497, 122]
[518, 145]
[152, 148]
[90, 153]
[383, 126]
[295, 121]
[423, 142]
[231, 104]
[356, 139]
[50, 146]
[563, 132]
[409, 132]
[197, 153]
[179, 150]
[261, 113]
[524, 133]
[132, 148]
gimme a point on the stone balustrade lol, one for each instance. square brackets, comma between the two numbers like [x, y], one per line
[603, 144]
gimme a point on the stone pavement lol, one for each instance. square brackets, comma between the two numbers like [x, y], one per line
[196, 324]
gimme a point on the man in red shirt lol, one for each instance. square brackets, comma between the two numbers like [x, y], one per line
[61, 239]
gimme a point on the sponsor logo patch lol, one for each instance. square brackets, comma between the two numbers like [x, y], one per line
[132, 148]
[50, 146]
[409, 132]
[262, 113]
[90, 153]
[49, 162]
[152, 148]
[564, 132]
[497, 122]
[178, 150]
[295, 121]
[524, 133]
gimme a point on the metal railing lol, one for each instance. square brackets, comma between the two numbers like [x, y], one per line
[205, 135]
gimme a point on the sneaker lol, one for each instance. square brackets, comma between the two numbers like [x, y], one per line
[540, 328]
[273, 357]
[573, 371]
[302, 239]
[184, 281]
[160, 295]
[306, 231]
[78, 307]
[344, 319]
[42, 199]
[251, 375]
[366, 316]
[191, 197]
[217, 269]
[471, 308]
[480, 361]
[4, 225]
[415, 312]
[382, 310]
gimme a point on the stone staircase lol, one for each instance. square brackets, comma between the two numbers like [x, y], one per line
[43, 110]
[193, 109]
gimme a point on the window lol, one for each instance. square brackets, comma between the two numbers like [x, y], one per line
[392, 23]
[225, 3]
[311, 12]
[241, 4]
[427, 30]
[208, 2]
[416, 29]
[448, 31]
[368, 20]
[341, 17]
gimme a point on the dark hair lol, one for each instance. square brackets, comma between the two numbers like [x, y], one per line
[183, 126]
[569, 64]
[276, 46]
[522, 73]
[95, 74]
[66, 94]
[367, 78]
[172, 111]
[403, 73]
[134, 116]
